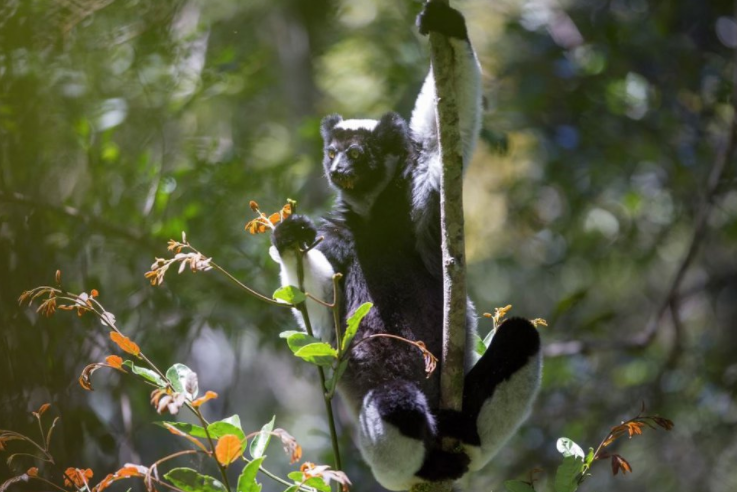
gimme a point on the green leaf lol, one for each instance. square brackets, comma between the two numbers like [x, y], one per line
[261, 441]
[518, 486]
[488, 338]
[231, 425]
[566, 478]
[177, 375]
[321, 354]
[191, 429]
[590, 457]
[480, 347]
[146, 374]
[318, 483]
[220, 429]
[337, 374]
[297, 339]
[297, 476]
[352, 325]
[567, 448]
[247, 481]
[189, 480]
[290, 294]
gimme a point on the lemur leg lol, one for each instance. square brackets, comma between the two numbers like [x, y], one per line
[397, 438]
[498, 392]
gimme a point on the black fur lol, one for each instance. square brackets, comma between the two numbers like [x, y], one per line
[296, 231]
[439, 17]
[442, 465]
[398, 404]
[387, 246]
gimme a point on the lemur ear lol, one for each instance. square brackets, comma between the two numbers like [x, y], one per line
[327, 125]
[392, 133]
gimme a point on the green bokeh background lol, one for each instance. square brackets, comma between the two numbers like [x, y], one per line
[125, 122]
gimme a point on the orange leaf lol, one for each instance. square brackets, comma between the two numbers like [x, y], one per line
[620, 463]
[275, 218]
[104, 483]
[125, 343]
[257, 226]
[286, 211]
[32, 472]
[85, 380]
[129, 471]
[77, 477]
[115, 362]
[228, 449]
[202, 399]
[634, 428]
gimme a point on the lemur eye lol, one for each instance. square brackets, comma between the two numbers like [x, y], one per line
[354, 153]
[331, 153]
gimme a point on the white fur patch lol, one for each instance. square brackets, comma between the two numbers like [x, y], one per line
[318, 281]
[394, 458]
[500, 417]
[424, 126]
[357, 124]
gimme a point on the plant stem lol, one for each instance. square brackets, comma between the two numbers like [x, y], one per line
[223, 472]
[243, 286]
[328, 401]
[302, 307]
[336, 310]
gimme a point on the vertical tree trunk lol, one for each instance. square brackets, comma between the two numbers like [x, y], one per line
[453, 245]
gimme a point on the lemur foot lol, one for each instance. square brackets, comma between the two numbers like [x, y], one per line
[442, 465]
[439, 17]
[296, 231]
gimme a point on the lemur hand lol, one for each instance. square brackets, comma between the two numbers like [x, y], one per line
[297, 231]
[439, 17]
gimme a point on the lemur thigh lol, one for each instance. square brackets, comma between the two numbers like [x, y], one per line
[499, 390]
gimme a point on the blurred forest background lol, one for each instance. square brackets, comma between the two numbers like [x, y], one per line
[125, 122]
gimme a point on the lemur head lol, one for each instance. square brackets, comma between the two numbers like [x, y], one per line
[362, 156]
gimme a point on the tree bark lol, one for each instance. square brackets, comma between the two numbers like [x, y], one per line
[453, 245]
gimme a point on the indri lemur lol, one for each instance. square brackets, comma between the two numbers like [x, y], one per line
[383, 235]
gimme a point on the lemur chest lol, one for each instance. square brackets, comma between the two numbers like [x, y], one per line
[388, 271]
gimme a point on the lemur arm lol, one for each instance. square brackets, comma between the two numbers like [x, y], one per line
[443, 19]
[427, 174]
[297, 232]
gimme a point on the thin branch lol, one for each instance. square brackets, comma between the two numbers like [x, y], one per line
[452, 238]
[451, 220]
[302, 308]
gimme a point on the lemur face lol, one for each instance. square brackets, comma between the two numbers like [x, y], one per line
[350, 162]
[360, 155]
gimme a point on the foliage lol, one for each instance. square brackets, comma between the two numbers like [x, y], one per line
[124, 123]
[225, 441]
